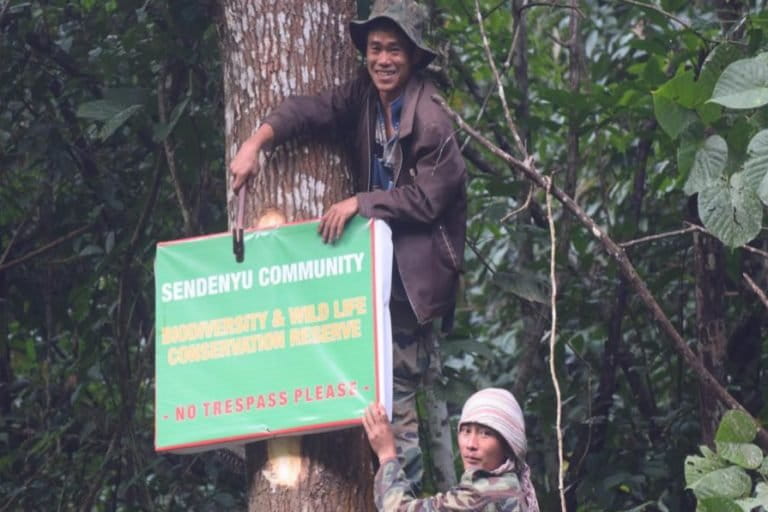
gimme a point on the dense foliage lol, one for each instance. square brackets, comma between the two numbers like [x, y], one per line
[111, 131]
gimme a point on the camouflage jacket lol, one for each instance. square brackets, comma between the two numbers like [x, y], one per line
[478, 491]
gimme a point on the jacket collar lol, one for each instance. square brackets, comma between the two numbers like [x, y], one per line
[412, 91]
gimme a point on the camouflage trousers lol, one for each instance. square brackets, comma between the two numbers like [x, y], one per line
[415, 363]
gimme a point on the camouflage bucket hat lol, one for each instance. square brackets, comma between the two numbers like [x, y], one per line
[409, 16]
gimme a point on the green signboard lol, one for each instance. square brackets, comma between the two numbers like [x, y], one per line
[294, 339]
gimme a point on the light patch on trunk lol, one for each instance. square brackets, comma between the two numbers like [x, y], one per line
[308, 190]
[283, 465]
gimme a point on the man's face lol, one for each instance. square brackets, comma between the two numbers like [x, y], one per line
[389, 57]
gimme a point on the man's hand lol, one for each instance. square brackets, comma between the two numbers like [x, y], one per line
[379, 432]
[333, 221]
[246, 160]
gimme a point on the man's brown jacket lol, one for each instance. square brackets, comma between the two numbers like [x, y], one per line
[427, 208]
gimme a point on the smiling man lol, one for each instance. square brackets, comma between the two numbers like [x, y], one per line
[408, 171]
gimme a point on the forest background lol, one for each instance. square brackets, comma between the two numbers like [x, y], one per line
[112, 139]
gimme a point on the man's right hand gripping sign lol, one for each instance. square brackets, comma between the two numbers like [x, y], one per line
[408, 171]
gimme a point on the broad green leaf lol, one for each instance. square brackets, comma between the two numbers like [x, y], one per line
[686, 153]
[715, 63]
[756, 166]
[717, 505]
[746, 455]
[730, 212]
[743, 84]
[117, 121]
[763, 469]
[759, 500]
[731, 482]
[683, 90]
[736, 427]
[696, 467]
[99, 110]
[708, 165]
[672, 117]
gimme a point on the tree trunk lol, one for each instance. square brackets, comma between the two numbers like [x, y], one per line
[270, 50]
[709, 271]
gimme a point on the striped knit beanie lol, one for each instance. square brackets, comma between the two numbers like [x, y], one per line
[497, 408]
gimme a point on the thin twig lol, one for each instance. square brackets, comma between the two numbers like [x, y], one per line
[502, 94]
[745, 247]
[659, 236]
[525, 205]
[3, 10]
[13, 240]
[670, 16]
[45, 248]
[482, 259]
[556, 5]
[760, 293]
[170, 157]
[552, 342]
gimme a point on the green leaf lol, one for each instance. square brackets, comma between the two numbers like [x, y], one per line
[708, 165]
[117, 121]
[759, 500]
[763, 469]
[697, 467]
[743, 84]
[717, 505]
[672, 117]
[730, 211]
[746, 455]
[756, 166]
[715, 63]
[736, 427]
[99, 110]
[683, 90]
[731, 482]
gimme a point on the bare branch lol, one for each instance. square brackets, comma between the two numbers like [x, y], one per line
[745, 247]
[760, 293]
[502, 95]
[659, 236]
[669, 16]
[3, 10]
[554, 5]
[619, 256]
[13, 240]
[45, 248]
[170, 156]
[525, 205]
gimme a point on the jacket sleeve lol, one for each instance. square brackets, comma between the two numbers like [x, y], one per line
[392, 493]
[329, 112]
[439, 181]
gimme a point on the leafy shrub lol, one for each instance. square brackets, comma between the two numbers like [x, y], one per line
[724, 480]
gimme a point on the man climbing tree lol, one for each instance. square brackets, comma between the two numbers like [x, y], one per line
[272, 50]
[407, 170]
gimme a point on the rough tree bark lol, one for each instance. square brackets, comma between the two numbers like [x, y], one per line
[273, 49]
